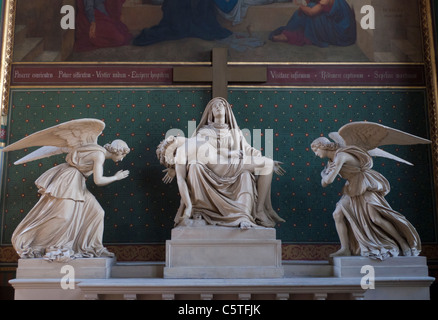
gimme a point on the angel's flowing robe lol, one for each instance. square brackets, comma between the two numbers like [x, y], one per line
[366, 189]
[67, 221]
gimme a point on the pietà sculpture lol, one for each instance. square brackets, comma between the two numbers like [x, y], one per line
[222, 180]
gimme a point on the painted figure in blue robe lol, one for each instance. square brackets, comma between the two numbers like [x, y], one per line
[321, 23]
[184, 19]
[236, 10]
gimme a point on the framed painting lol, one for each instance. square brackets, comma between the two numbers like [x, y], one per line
[186, 31]
[134, 42]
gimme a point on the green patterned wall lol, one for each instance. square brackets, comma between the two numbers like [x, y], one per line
[141, 209]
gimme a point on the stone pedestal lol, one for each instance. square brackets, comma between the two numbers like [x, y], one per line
[85, 268]
[221, 252]
[396, 278]
[38, 279]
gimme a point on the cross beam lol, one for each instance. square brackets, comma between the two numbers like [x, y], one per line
[220, 74]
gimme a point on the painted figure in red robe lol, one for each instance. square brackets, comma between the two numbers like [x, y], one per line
[98, 25]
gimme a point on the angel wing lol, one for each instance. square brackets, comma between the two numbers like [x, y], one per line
[59, 139]
[43, 152]
[377, 152]
[370, 136]
[337, 138]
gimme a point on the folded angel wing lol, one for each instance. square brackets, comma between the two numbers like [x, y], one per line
[370, 136]
[383, 154]
[40, 153]
[337, 138]
[59, 139]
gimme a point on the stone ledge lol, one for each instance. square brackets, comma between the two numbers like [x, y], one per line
[237, 289]
[302, 280]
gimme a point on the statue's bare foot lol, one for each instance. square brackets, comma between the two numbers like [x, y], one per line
[187, 212]
[106, 253]
[197, 216]
[343, 252]
[407, 252]
[38, 254]
[245, 225]
[263, 221]
[184, 222]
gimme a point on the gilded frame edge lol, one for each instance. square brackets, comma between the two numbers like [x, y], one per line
[430, 67]
[7, 53]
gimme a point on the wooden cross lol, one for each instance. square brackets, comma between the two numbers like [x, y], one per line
[220, 74]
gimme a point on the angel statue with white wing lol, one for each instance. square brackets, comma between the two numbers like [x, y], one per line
[365, 222]
[67, 222]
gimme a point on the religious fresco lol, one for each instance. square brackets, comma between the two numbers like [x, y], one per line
[186, 31]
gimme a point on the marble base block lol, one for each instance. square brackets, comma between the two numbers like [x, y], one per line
[221, 252]
[396, 278]
[391, 267]
[38, 279]
[83, 268]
